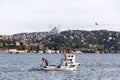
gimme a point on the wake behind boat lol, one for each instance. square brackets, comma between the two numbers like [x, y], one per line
[67, 63]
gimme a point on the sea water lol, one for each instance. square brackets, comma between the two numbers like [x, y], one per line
[27, 67]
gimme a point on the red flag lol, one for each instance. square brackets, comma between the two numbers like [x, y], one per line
[96, 23]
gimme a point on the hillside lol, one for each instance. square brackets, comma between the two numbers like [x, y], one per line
[66, 41]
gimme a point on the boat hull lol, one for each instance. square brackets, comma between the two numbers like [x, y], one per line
[66, 68]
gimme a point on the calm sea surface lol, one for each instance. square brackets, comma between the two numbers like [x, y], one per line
[26, 67]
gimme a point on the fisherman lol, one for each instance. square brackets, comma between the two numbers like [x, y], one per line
[45, 62]
[43, 59]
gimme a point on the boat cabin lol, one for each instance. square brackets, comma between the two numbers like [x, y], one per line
[68, 59]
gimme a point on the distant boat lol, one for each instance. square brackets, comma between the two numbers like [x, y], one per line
[67, 63]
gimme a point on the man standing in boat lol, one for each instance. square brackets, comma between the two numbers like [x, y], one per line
[45, 62]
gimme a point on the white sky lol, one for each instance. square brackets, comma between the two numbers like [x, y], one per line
[18, 16]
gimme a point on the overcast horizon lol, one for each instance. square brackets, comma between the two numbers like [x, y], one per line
[18, 16]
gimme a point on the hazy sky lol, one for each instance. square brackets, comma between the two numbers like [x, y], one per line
[18, 16]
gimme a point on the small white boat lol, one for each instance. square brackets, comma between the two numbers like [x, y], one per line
[67, 63]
